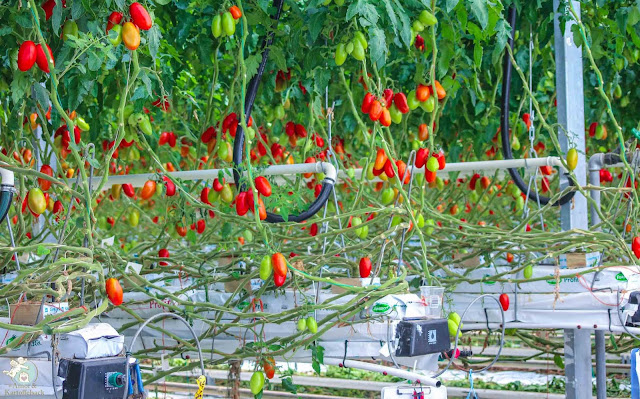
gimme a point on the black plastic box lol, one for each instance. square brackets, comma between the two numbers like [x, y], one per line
[422, 337]
[93, 378]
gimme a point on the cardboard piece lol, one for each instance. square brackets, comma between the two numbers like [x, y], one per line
[26, 313]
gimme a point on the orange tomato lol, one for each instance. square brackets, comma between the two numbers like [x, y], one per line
[381, 159]
[130, 36]
[148, 189]
[440, 90]
[423, 93]
[423, 132]
[279, 264]
[114, 291]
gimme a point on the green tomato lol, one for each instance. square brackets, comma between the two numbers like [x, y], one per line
[429, 105]
[341, 54]
[70, 28]
[619, 62]
[439, 183]
[144, 124]
[388, 196]
[432, 164]
[128, 109]
[228, 24]
[312, 325]
[257, 382]
[213, 196]
[519, 203]
[420, 221]
[351, 172]
[302, 325]
[82, 124]
[216, 26]
[453, 328]
[396, 220]
[266, 267]
[515, 143]
[326, 2]
[412, 101]
[415, 145]
[358, 50]
[279, 112]
[453, 316]
[370, 175]
[102, 222]
[349, 47]
[133, 120]
[474, 197]
[339, 3]
[396, 115]
[134, 218]
[226, 194]
[528, 272]
[250, 133]
[617, 92]
[115, 35]
[427, 19]
[223, 150]
[429, 223]
[359, 36]
[417, 26]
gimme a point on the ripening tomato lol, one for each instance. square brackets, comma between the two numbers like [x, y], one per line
[423, 132]
[36, 201]
[140, 16]
[279, 264]
[263, 186]
[269, 365]
[365, 267]
[26, 55]
[385, 117]
[181, 230]
[45, 184]
[381, 159]
[131, 36]
[441, 93]
[376, 111]
[148, 190]
[114, 291]
[134, 218]
[114, 19]
[422, 93]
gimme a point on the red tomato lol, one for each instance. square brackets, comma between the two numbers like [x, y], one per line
[170, 186]
[140, 16]
[269, 367]
[235, 12]
[217, 185]
[387, 94]
[279, 264]
[241, 204]
[114, 19]
[376, 111]
[423, 93]
[208, 135]
[114, 291]
[200, 226]
[367, 101]
[41, 58]
[26, 55]
[279, 280]
[45, 185]
[128, 190]
[263, 186]
[421, 157]
[400, 100]
[181, 230]
[504, 302]
[385, 117]
[365, 267]
[163, 253]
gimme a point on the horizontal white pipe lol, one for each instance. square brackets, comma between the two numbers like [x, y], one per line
[550, 325]
[467, 168]
[409, 375]
[138, 180]
[330, 172]
[7, 177]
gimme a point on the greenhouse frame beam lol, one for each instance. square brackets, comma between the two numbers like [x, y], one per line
[574, 214]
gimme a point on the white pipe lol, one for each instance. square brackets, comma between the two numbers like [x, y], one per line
[409, 375]
[546, 326]
[138, 180]
[330, 171]
[7, 177]
[467, 168]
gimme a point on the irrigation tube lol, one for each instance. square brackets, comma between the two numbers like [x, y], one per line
[409, 375]
[329, 170]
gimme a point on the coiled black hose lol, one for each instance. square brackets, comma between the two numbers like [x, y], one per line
[238, 144]
[504, 127]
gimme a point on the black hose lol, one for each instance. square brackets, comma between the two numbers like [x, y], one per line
[504, 127]
[238, 144]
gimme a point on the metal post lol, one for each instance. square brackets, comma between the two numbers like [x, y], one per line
[574, 215]
[577, 361]
[601, 366]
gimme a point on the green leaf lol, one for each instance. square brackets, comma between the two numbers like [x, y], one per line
[42, 95]
[477, 55]
[277, 55]
[451, 4]
[154, 37]
[41, 250]
[95, 60]
[479, 10]
[47, 329]
[226, 230]
[365, 10]
[378, 46]
[19, 86]
[56, 17]
[289, 386]
[191, 236]
[316, 22]
[405, 23]
[321, 79]
[5, 30]
[147, 83]
[77, 9]
[252, 63]
[316, 366]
